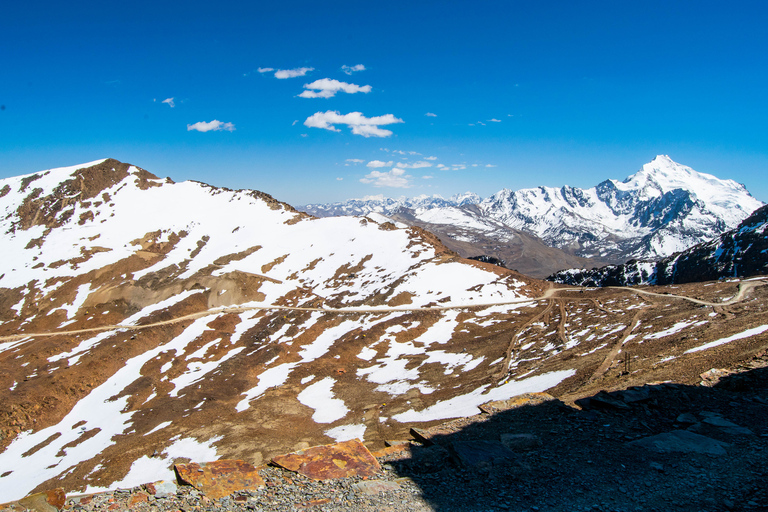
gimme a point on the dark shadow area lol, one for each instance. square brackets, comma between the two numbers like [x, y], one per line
[556, 457]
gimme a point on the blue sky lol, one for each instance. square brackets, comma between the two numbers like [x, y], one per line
[449, 96]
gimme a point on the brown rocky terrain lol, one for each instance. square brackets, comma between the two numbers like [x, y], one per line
[197, 337]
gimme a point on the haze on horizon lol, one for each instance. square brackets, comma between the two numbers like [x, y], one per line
[325, 102]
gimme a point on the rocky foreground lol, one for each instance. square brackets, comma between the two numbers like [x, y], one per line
[662, 446]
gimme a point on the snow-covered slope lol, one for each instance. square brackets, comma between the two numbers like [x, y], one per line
[138, 315]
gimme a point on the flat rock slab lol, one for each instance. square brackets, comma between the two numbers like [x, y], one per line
[429, 435]
[515, 402]
[473, 453]
[681, 441]
[726, 426]
[161, 489]
[520, 442]
[373, 487]
[340, 460]
[48, 501]
[220, 478]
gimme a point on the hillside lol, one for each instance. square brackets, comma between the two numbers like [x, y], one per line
[146, 322]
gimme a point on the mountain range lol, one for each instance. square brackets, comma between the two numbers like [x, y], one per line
[664, 208]
[145, 323]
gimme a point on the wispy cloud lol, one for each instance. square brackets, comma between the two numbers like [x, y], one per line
[356, 121]
[430, 158]
[490, 165]
[265, 70]
[169, 101]
[414, 165]
[396, 178]
[352, 69]
[213, 126]
[378, 163]
[291, 73]
[494, 120]
[327, 88]
[430, 114]
[354, 161]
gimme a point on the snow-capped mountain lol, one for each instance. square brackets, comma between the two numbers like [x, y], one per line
[388, 206]
[740, 252]
[662, 209]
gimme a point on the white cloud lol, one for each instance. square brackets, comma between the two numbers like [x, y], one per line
[292, 73]
[414, 165]
[427, 177]
[355, 160]
[430, 114]
[351, 69]
[431, 158]
[169, 101]
[265, 70]
[441, 166]
[357, 122]
[373, 164]
[396, 178]
[339, 179]
[491, 165]
[327, 88]
[494, 120]
[213, 126]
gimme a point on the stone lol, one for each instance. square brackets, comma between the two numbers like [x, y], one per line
[139, 497]
[48, 501]
[474, 453]
[713, 376]
[636, 394]
[681, 441]
[515, 402]
[396, 452]
[339, 460]
[520, 442]
[686, 419]
[161, 489]
[373, 487]
[219, 478]
[432, 434]
[601, 400]
[726, 426]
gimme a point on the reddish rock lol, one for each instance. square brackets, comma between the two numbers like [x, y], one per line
[220, 478]
[139, 497]
[340, 460]
[48, 501]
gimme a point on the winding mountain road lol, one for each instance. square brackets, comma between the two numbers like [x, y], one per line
[744, 289]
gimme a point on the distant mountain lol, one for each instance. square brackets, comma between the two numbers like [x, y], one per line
[662, 209]
[388, 206]
[741, 252]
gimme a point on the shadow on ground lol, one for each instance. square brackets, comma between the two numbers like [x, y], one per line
[710, 452]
